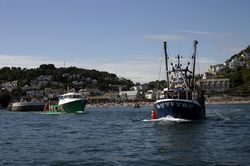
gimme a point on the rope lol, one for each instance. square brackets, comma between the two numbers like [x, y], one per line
[219, 115]
[197, 58]
[159, 76]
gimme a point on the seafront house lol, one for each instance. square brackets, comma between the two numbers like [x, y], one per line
[213, 69]
[9, 86]
[235, 63]
[215, 85]
[207, 75]
[150, 95]
[245, 56]
[131, 95]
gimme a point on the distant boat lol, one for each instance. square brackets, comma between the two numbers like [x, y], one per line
[26, 106]
[68, 103]
[137, 105]
[183, 97]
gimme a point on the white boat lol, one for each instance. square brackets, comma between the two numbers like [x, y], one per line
[27, 106]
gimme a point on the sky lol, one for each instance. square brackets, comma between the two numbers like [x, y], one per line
[124, 37]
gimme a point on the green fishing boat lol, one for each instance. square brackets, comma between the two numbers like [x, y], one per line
[68, 103]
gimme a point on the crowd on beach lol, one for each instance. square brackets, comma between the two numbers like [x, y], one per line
[209, 100]
[135, 104]
[227, 100]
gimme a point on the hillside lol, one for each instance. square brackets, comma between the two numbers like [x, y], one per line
[240, 76]
[82, 78]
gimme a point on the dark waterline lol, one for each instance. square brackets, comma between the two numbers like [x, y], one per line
[120, 136]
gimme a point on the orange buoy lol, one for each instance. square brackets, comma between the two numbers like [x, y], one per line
[153, 115]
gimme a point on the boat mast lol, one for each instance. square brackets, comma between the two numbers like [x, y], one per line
[194, 62]
[166, 62]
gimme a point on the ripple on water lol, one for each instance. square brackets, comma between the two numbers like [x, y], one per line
[124, 136]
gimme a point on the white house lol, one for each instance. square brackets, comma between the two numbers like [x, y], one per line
[234, 63]
[35, 93]
[215, 85]
[207, 75]
[131, 95]
[150, 95]
[216, 68]
[9, 86]
[45, 78]
[245, 56]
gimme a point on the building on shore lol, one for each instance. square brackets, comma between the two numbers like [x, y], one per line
[215, 85]
[213, 69]
[131, 95]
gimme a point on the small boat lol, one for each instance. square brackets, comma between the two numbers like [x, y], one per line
[183, 98]
[68, 103]
[26, 106]
[137, 105]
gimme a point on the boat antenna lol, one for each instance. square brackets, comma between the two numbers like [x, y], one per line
[194, 61]
[166, 62]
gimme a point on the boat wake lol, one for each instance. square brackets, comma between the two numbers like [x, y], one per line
[50, 113]
[167, 119]
[59, 113]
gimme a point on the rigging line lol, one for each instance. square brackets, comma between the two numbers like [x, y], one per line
[219, 115]
[169, 57]
[191, 53]
[185, 83]
[159, 76]
[197, 58]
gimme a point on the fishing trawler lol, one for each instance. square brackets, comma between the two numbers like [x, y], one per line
[68, 103]
[183, 98]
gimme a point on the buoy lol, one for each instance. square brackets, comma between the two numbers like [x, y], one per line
[153, 115]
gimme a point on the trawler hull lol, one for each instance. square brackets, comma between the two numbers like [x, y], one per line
[178, 108]
[68, 103]
[70, 107]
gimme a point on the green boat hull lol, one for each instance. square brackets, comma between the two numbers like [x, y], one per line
[72, 107]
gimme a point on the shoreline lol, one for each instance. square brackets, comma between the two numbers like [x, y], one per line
[227, 102]
[118, 104]
[145, 104]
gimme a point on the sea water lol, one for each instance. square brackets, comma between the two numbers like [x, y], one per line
[125, 136]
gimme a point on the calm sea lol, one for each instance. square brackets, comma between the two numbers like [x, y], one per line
[125, 136]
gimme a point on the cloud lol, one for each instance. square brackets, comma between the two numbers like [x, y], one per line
[174, 37]
[142, 68]
[204, 63]
[233, 50]
[23, 61]
[165, 37]
[138, 70]
[198, 32]
[206, 33]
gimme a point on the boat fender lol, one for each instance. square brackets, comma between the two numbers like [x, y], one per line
[153, 115]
